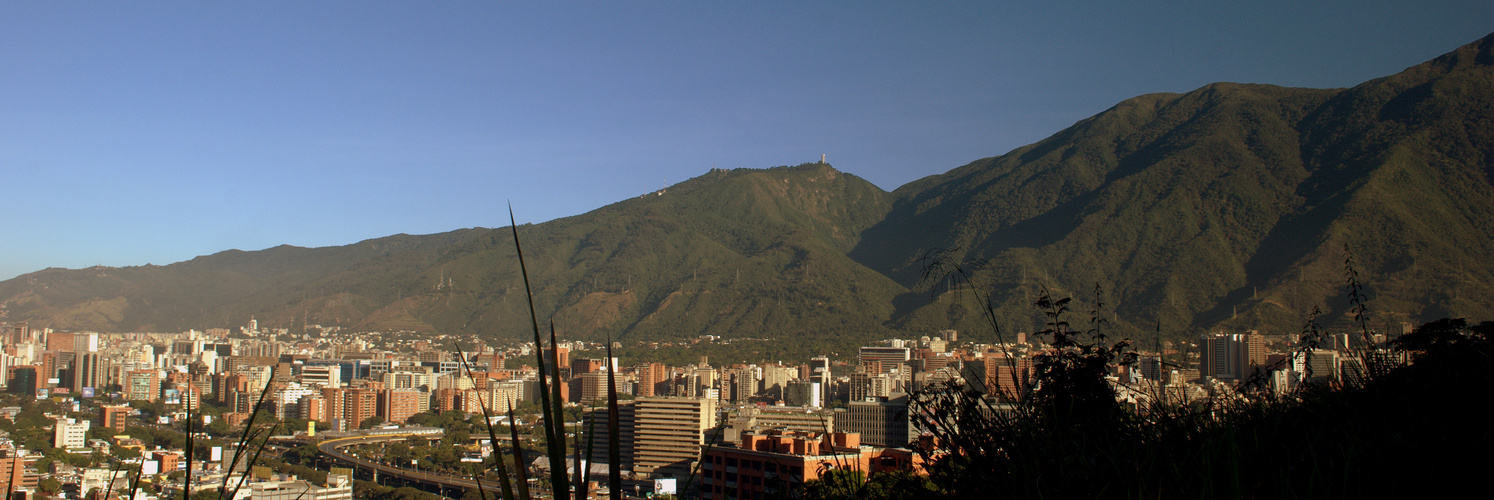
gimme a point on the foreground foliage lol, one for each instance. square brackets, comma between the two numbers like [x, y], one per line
[1409, 430]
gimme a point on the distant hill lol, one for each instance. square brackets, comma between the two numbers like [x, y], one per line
[1229, 206]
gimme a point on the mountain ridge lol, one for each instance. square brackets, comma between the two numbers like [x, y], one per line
[1229, 206]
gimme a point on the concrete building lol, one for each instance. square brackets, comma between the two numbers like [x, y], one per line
[627, 422]
[337, 487]
[144, 385]
[668, 433]
[398, 405]
[880, 422]
[114, 417]
[774, 464]
[69, 433]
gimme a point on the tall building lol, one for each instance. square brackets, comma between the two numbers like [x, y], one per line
[398, 405]
[23, 380]
[1007, 377]
[86, 371]
[883, 422]
[597, 419]
[653, 380]
[594, 386]
[20, 333]
[144, 385]
[819, 370]
[1230, 356]
[668, 433]
[359, 404]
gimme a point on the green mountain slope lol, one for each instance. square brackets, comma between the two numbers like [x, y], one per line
[1226, 206]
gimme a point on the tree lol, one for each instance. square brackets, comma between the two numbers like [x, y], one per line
[370, 422]
[50, 485]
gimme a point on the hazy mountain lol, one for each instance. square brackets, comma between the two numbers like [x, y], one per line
[1231, 206]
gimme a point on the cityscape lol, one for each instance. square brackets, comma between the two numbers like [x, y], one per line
[783, 420]
[513, 251]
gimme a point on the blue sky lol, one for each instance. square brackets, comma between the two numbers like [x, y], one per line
[153, 132]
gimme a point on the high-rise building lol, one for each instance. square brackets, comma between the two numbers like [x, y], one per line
[144, 385]
[597, 419]
[398, 405]
[653, 380]
[1230, 356]
[23, 380]
[86, 371]
[359, 404]
[594, 386]
[881, 422]
[668, 433]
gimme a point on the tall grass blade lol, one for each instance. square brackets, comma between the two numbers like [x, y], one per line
[552, 437]
[487, 418]
[614, 449]
[521, 472]
[583, 476]
[557, 449]
[244, 439]
[254, 459]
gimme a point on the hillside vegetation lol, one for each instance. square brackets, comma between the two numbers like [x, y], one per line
[1227, 206]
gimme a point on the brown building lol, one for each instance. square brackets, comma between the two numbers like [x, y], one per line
[169, 460]
[114, 417]
[447, 399]
[359, 404]
[653, 380]
[1000, 379]
[751, 467]
[398, 405]
[584, 366]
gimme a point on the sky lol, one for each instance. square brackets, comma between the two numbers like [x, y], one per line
[137, 133]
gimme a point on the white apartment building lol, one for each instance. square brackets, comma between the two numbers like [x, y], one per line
[69, 433]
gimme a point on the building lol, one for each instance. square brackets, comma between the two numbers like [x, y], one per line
[69, 433]
[668, 433]
[776, 463]
[594, 386]
[653, 380]
[143, 385]
[597, 418]
[880, 422]
[23, 380]
[358, 405]
[398, 405]
[322, 375]
[86, 370]
[887, 356]
[114, 417]
[1231, 356]
[337, 487]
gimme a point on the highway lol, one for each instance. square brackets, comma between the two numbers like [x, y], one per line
[331, 447]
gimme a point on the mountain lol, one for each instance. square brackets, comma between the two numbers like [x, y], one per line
[1231, 206]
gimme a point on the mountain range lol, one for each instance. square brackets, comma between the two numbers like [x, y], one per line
[1234, 206]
